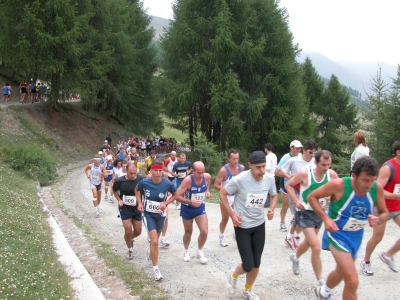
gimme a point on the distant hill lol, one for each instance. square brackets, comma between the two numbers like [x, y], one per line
[158, 25]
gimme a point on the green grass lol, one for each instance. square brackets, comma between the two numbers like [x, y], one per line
[173, 133]
[29, 267]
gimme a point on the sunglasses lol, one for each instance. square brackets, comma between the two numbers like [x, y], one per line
[312, 153]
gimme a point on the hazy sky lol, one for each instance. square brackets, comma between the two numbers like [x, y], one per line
[342, 30]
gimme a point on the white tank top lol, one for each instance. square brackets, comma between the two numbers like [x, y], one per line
[95, 175]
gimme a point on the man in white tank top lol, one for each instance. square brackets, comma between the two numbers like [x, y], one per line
[95, 173]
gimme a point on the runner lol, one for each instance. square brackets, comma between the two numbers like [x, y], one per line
[225, 174]
[389, 178]
[194, 188]
[251, 189]
[129, 208]
[310, 179]
[168, 165]
[288, 170]
[350, 210]
[109, 166]
[155, 191]
[180, 170]
[295, 148]
[94, 172]
[149, 160]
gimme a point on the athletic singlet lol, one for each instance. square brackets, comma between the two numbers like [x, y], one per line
[350, 213]
[5, 90]
[142, 144]
[393, 187]
[121, 157]
[313, 184]
[154, 194]
[110, 172]
[170, 165]
[196, 191]
[229, 177]
[95, 175]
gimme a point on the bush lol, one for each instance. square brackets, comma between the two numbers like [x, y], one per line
[32, 160]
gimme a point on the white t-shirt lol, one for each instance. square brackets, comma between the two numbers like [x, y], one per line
[360, 151]
[271, 161]
[244, 186]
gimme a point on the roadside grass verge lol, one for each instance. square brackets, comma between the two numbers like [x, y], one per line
[29, 267]
[135, 278]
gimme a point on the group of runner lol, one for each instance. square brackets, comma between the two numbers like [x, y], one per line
[314, 193]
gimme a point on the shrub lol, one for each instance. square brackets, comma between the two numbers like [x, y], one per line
[32, 160]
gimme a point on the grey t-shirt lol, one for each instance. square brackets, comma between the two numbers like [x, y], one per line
[243, 185]
[295, 164]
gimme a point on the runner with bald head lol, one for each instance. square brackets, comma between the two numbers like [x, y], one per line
[192, 193]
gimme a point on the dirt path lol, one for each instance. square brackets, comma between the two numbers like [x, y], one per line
[195, 281]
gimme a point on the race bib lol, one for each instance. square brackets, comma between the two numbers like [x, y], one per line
[153, 207]
[396, 189]
[199, 196]
[354, 224]
[255, 200]
[94, 177]
[110, 172]
[129, 200]
[182, 175]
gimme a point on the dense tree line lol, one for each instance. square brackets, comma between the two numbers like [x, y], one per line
[382, 122]
[230, 72]
[98, 48]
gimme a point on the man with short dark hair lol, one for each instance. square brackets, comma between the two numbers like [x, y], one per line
[310, 178]
[251, 189]
[389, 178]
[352, 202]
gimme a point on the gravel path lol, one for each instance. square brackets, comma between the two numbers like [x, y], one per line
[191, 280]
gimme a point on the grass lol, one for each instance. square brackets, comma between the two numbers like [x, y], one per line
[172, 132]
[29, 266]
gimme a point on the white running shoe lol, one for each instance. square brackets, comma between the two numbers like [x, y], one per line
[178, 206]
[105, 197]
[317, 291]
[296, 264]
[97, 211]
[186, 256]
[112, 199]
[201, 256]
[130, 254]
[389, 261]
[283, 227]
[222, 241]
[157, 275]
[231, 283]
[250, 295]
[163, 242]
[289, 242]
[366, 268]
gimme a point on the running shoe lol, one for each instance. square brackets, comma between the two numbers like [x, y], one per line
[157, 275]
[295, 264]
[250, 295]
[186, 256]
[317, 291]
[283, 227]
[178, 206]
[130, 254]
[97, 211]
[231, 283]
[366, 268]
[112, 199]
[389, 261]
[289, 243]
[296, 242]
[105, 197]
[163, 242]
[222, 241]
[201, 256]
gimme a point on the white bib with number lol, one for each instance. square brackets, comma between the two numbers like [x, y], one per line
[129, 200]
[153, 207]
[95, 178]
[354, 224]
[110, 172]
[199, 196]
[396, 189]
[182, 175]
[256, 200]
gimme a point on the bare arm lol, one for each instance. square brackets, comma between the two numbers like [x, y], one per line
[236, 219]
[300, 177]
[221, 176]
[383, 178]
[382, 210]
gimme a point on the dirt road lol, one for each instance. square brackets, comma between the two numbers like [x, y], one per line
[191, 280]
